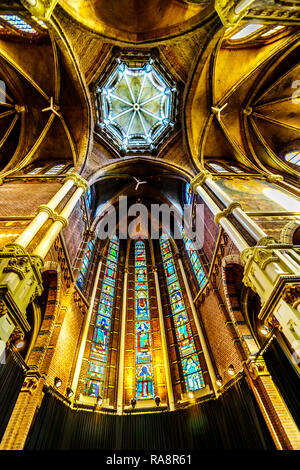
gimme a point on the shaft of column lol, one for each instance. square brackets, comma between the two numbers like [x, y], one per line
[122, 347]
[48, 240]
[45, 212]
[252, 228]
[85, 332]
[164, 345]
[199, 330]
[233, 233]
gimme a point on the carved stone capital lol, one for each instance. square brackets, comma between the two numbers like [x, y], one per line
[227, 13]
[257, 368]
[31, 382]
[199, 179]
[59, 218]
[20, 281]
[40, 8]
[226, 212]
[78, 181]
[274, 178]
[291, 295]
[47, 209]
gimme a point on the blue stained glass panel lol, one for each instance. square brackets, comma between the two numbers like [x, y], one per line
[143, 346]
[188, 193]
[85, 264]
[186, 345]
[101, 336]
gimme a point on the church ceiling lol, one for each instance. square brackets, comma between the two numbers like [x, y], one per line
[240, 103]
[234, 87]
[136, 105]
[35, 75]
[136, 21]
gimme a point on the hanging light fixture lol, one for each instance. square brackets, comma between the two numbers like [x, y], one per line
[70, 392]
[231, 370]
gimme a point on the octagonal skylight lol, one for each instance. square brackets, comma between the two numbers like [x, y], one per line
[136, 105]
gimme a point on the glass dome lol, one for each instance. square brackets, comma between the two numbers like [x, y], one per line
[136, 107]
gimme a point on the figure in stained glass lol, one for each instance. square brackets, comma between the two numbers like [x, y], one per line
[186, 344]
[144, 382]
[100, 343]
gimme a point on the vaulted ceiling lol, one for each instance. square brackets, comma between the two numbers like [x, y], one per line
[252, 80]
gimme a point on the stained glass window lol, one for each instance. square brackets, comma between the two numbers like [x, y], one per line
[246, 31]
[293, 157]
[271, 31]
[98, 357]
[136, 106]
[194, 258]
[88, 198]
[85, 264]
[143, 344]
[55, 169]
[236, 169]
[18, 23]
[189, 359]
[35, 170]
[218, 168]
[188, 193]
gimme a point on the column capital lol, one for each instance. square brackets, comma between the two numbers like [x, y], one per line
[47, 209]
[60, 218]
[274, 178]
[78, 181]
[231, 12]
[257, 368]
[20, 281]
[199, 179]
[40, 8]
[226, 212]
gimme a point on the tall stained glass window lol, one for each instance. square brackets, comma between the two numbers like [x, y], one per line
[189, 359]
[188, 193]
[143, 347]
[97, 364]
[194, 258]
[85, 264]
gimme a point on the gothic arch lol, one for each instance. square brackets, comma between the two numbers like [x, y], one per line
[290, 232]
[246, 339]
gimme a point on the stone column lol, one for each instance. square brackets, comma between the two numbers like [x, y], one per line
[60, 220]
[20, 272]
[282, 427]
[231, 207]
[44, 212]
[272, 270]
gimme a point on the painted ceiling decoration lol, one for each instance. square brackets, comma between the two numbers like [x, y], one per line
[136, 104]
